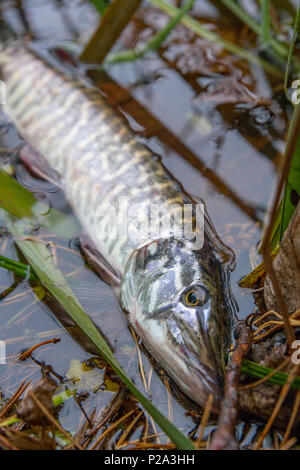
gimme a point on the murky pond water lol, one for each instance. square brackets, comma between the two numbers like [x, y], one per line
[212, 119]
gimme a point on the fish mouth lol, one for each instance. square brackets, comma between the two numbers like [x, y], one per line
[197, 369]
[200, 380]
[204, 382]
[182, 343]
[197, 381]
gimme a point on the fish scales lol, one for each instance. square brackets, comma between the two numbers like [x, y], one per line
[177, 297]
[55, 113]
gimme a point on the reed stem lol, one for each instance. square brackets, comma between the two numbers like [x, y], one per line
[154, 43]
[201, 31]
[115, 18]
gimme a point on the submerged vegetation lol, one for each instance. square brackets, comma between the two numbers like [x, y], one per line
[220, 66]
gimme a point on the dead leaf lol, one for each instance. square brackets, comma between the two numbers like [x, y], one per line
[23, 441]
[230, 90]
[27, 408]
[287, 268]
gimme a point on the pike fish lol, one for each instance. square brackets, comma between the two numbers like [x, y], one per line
[176, 296]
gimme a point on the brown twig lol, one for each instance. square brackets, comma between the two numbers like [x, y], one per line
[115, 19]
[146, 429]
[204, 420]
[224, 438]
[127, 431]
[169, 397]
[81, 433]
[138, 441]
[291, 420]
[4, 442]
[24, 19]
[277, 324]
[141, 366]
[284, 391]
[111, 428]
[27, 353]
[14, 398]
[289, 444]
[54, 421]
[109, 410]
[146, 445]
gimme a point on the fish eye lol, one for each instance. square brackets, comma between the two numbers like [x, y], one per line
[195, 297]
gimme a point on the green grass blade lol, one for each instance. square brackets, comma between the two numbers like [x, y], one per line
[39, 259]
[154, 43]
[291, 51]
[258, 371]
[276, 233]
[20, 202]
[38, 256]
[16, 199]
[287, 207]
[265, 21]
[115, 18]
[203, 32]
[100, 5]
[21, 269]
[233, 6]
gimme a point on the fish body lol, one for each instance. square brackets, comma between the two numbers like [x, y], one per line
[177, 296]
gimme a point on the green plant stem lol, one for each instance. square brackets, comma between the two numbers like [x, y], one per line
[100, 5]
[9, 421]
[291, 148]
[154, 43]
[21, 269]
[291, 50]
[38, 256]
[280, 49]
[116, 17]
[258, 371]
[198, 29]
[265, 22]
[292, 180]
[233, 6]
[17, 201]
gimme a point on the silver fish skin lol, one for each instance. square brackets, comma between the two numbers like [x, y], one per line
[177, 298]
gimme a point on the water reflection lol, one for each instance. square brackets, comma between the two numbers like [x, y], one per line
[217, 137]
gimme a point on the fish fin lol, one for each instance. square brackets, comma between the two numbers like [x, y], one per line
[107, 273]
[37, 165]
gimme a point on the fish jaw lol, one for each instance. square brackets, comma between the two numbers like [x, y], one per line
[196, 379]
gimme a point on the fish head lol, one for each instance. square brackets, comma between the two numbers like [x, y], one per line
[178, 301]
